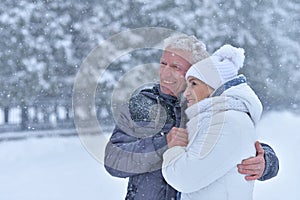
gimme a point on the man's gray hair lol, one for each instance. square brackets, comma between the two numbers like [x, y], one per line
[187, 43]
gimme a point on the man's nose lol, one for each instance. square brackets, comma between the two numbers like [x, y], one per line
[167, 70]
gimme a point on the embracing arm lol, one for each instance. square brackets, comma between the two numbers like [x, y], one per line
[263, 166]
[126, 155]
[134, 148]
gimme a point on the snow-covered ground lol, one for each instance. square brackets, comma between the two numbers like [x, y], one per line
[60, 168]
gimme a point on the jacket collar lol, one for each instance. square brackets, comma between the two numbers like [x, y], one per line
[156, 93]
[234, 82]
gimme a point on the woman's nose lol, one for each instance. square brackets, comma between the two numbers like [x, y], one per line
[186, 92]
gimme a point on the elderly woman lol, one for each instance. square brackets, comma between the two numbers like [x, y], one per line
[222, 111]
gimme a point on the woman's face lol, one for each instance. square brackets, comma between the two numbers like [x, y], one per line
[196, 91]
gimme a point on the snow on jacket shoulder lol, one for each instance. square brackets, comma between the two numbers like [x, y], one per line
[221, 134]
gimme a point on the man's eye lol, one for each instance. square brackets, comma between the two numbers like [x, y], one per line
[176, 67]
[193, 83]
[163, 62]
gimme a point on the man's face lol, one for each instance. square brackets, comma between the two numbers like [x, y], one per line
[173, 67]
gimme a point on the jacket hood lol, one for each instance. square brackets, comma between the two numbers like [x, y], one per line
[247, 96]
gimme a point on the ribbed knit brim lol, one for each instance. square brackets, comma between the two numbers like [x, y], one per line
[219, 68]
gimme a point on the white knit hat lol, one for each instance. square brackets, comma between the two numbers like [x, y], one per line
[219, 68]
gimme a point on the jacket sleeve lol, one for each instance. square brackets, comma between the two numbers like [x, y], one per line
[187, 170]
[272, 163]
[134, 148]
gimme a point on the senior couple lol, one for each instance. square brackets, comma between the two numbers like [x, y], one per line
[216, 156]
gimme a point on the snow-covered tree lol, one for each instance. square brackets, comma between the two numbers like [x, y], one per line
[43, 43]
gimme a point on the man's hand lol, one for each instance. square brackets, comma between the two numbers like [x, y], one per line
[254, 167]
[177, 137]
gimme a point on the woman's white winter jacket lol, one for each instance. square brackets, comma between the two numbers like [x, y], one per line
[221, 133]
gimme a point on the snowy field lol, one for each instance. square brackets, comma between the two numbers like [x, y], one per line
[61, 169]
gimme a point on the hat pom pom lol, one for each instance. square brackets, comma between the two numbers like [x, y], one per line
[233, 54]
